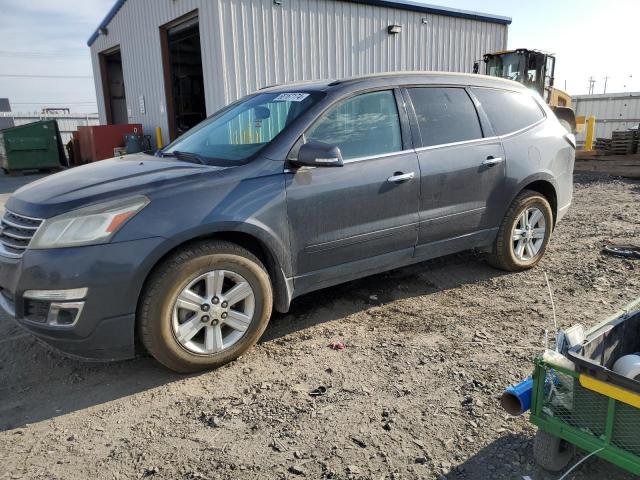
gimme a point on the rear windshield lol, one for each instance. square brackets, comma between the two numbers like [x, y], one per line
[238, 132]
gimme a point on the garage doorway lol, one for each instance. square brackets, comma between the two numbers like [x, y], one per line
[115, 99]
[184, 81]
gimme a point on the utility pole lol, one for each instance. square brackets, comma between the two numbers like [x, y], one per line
[592, 84]
[605, 85]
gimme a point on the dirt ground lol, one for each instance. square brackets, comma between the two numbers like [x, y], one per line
[429, 349]
[618, 165]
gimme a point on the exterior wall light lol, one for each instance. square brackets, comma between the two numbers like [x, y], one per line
[393, 29]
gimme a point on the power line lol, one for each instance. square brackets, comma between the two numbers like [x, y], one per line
[7, 53]
[11, 75]
[53, 103]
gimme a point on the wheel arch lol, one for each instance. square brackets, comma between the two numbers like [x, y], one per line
[282, 289]
[545, 186]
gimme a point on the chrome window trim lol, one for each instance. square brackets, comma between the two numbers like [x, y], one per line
[376, 157]
[462, 142]
[355, 160]
[524, 129]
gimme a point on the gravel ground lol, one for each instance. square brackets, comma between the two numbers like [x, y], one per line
[413, 395]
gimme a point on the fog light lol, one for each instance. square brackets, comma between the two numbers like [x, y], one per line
[57, 295]
[64, 314]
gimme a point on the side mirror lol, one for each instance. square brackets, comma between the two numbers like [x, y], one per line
[318, 154]
[261, 113]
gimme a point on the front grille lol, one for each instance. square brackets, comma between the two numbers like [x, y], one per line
[17, 231]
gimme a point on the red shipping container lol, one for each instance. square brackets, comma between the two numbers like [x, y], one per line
[97, 142]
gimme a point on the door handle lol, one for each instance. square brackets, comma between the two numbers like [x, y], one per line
[491, 161]
[401, 177]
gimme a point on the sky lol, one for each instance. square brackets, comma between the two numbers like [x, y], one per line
[591, 38]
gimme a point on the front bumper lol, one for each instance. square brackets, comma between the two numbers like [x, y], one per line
[113, 273]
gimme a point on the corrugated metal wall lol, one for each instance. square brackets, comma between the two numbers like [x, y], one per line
[613, 111]
[249, 44]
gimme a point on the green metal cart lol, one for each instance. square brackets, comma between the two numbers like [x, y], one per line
[591, 412]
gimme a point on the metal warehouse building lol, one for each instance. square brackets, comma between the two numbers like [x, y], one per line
[171, 63]
[613, 112]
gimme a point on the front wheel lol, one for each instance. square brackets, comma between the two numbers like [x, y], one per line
[205, 306]
[524, 233]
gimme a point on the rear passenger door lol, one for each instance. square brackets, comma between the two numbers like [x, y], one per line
[462, 170]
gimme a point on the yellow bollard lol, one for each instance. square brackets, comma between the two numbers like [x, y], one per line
[159, 137]
[591, 130]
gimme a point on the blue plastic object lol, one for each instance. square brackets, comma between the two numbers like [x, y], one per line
[516, 399]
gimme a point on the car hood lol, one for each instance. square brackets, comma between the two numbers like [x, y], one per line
[99, 181]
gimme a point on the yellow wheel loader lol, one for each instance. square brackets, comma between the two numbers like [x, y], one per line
[534, 69]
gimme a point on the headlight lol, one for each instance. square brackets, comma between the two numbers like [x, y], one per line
[88, 225]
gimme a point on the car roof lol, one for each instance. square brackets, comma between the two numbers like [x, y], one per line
[398, 78]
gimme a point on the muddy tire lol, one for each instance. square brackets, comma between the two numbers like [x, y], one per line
[524, 233]
[552, 453]
[204, 306]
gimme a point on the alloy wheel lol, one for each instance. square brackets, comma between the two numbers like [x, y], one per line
[528, 234]
[213, 312]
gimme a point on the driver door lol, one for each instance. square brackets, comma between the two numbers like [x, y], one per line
[359, 217]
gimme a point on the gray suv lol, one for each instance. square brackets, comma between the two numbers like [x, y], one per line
[291, 189]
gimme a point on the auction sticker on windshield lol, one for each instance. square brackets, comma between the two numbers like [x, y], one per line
[291, 97]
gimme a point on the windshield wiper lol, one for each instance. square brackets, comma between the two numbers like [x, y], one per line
[186, 157]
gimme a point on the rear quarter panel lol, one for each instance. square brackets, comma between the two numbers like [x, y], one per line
[540, 152]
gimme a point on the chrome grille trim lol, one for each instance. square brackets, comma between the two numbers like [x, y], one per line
[17, 225]
[16, 233]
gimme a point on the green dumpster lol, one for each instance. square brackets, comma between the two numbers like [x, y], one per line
[31, 146]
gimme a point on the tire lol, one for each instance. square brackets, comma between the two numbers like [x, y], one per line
[552, 453]
[161, 319]
[505, 254]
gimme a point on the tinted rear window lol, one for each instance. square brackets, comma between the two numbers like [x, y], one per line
[445, 115]
[508, 111]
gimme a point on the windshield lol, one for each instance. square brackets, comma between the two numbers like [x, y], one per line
[505, 66]
[238, 132]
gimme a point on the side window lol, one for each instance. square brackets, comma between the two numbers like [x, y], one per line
[361, 126]
[508, 111]
[445, 115]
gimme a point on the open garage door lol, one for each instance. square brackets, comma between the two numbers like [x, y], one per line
[115, 99]
[184, 82]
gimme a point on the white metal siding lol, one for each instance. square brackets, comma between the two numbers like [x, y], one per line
[614, 111]
[250, 44]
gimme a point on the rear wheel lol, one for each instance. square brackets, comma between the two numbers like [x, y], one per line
[524, 233]
[552, 453]
[205, 306]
